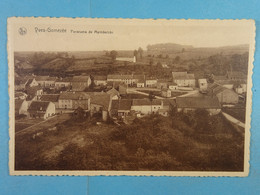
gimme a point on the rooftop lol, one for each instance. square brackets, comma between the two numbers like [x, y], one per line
[50, 97]
[204, 102]
[73, 95]
[182, 75]
[38, 106]
[123, 104]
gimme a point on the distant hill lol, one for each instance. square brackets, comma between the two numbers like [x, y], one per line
[168, 47]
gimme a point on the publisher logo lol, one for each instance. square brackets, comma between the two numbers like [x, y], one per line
[22, 31]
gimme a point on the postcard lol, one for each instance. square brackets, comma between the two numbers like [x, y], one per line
[137, 97]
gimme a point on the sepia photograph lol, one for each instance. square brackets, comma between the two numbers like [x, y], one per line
[130, 96]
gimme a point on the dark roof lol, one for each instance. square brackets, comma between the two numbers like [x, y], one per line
[118, 76]
[198, 102]
[113, 91]
[31, 91]
[29, 82]
[66, 79]
[44, 78]
[100, 77]
[102, 99]
[50, 97]
[182, 75]
[146, 101]
[123, 104]
[73, 95]
[236, 75]
[80, 78]
[217, 88]
[38, 106]
[18, 104]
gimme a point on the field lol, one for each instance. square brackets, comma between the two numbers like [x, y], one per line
[208, 143]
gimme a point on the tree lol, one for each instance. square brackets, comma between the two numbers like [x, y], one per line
[172, 113]
[113, 54]
[140, 51]
[135, 53]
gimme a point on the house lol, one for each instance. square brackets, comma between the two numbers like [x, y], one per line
[40, 109]
[21, 107]
[224, 95]
[211, 104]
[54, 98]
[33, 93]
[139, 80]
[71, 100]
[240, 87]
[122, 89]
[203, 85]
[145, 106]
[121, 107]
[172, 86]
[46, 81]
[100, 80]
[126, 79]
[115, 95]
[162, 84]
[31, 83]
[150, 82]
[80, 83]
[63, 82]
[166, 93]
[236, 75]
[217, 78]
[20, 95]
[126, 59]
[100, 103]
[183, 79]
[20, 83]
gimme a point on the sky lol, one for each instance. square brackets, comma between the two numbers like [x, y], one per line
[128, 35]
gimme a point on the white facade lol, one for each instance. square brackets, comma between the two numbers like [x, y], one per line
[50, 111]
[139, 85]
[151, 82]
[203, 84]
[146, 109]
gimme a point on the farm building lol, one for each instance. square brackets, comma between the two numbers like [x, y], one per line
[150, 82]
[54, 98]
[114, 94]
[31, 83]
[172, 86]
[69, 101]
[39, 109]
[80, 83]
[224, 95]
[63, 82]
[145, 106]
[183, 79]
[46, 81]
[126, 79]
[211, 104]
[162, 84]
[100, 80]
[121, 107]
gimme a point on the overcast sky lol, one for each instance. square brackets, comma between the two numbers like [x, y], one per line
[129, 36]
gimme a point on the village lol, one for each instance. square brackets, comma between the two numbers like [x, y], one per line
[122, 98]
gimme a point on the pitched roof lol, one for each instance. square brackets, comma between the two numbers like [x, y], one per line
[236, 75]
[73, 95]
[146, 102]
[50, 97]
[101, 99]
[204, 102]
[18, 104]
[182, 75]
[121, 104]
[45, 78]
[113, 92]
[80, 78]
[66, 79]
[118, 76]
[217, 88]
[29, 82]
[38, 106]
[100, 77]
[31, 91]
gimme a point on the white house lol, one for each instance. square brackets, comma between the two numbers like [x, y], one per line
[150, 82]
[145, 106]
[183, 79]
[21, 107]
[172, 86]
[40, 109]
[63, 82]
[100, 80]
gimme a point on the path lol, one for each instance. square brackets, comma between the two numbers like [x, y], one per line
[233, 120]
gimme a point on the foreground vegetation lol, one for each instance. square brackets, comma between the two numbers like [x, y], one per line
[192, 142]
